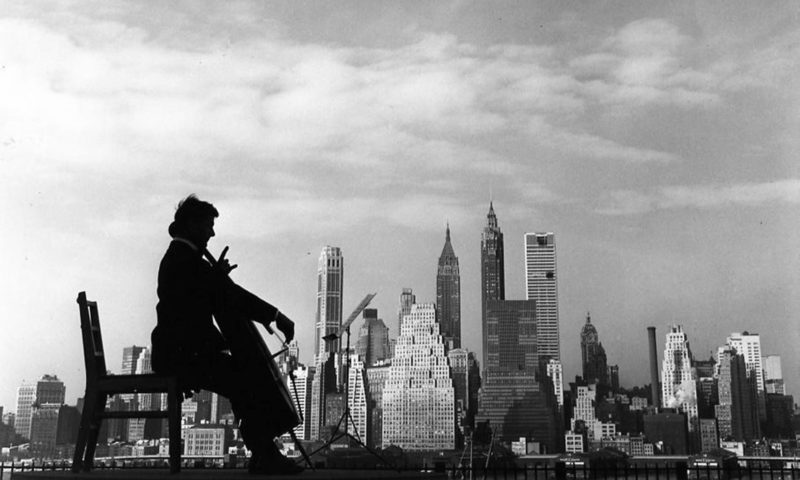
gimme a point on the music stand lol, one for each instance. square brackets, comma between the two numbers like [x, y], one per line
[337, 434]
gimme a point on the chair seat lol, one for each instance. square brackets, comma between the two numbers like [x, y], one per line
[144, 383]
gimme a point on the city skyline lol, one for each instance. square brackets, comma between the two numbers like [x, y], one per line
[658, 142]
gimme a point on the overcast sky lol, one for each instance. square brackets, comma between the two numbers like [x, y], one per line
[658, 140]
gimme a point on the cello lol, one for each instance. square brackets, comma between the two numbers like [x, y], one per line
[251, 352]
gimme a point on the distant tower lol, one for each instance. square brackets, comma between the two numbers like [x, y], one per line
[372, 345]
[593, 355]
[541, 282]
[678, 380]
[330, 278]
[448, 295]
[493, 285]
[407, 298]
[357, 400]
[418, 396]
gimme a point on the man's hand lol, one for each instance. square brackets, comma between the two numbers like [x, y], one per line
[223, 265]
[286, 326]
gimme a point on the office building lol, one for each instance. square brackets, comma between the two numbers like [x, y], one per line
[49, 389]
[735, 412]
[418, 397]
[542, 287]
[492, 269]
[330, 278]
[372, 345]
[668, 430]
[678, 382]
[448, 295]
[203, 441]
[709, 435]
[357, 400]
[44, 429]
[300, 392]
[749, 346]
[376, 380]
[516, 398]
[556, 373]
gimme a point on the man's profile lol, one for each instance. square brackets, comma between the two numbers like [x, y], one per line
[187, 343]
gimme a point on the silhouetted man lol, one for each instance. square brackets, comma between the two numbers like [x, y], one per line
[188, 344]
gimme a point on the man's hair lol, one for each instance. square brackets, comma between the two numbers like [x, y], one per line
[190, 210]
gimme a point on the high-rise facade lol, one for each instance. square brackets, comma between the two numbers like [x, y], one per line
[372, 345]
[678, 382]
[448, 294]
[749, 346]
[542, 287]
[49, 389]
[516, 398]
[593, 355]
[418, 397]
[26, 397]
[357, 400]
[407, 298]
[735, 412]
[330, 278]
[376, 380]
[493, 285]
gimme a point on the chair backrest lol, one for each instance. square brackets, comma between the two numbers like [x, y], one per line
[93, 355]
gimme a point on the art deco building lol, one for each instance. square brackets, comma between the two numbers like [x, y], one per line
[372, 345]
[418, 398]
[542, 287]
[517, 398]
[301, 398]
[556, 373]
[330, 278]
[593, 355]
[492, 269]
[678, 381]
[448, 295]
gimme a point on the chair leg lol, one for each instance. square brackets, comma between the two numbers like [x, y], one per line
[95, 423]
[174, 421]
[83, 431]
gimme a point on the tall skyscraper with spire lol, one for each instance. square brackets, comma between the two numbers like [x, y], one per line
[542, 286]
[330, 277]
[493, 285]
[448, 295]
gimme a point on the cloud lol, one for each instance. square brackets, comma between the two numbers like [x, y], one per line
[628, 202]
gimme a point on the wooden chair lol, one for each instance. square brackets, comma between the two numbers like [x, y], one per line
[100, 385]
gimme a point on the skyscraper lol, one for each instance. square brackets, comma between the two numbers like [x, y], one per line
[493, 285]
[678, 381]
[749, 346]
[734, 413]
[593, 355]
[418, 398]
[516, 398]
[541, 282]
[448, 295]
[407, 298]
[49, 389]
[330, 277]
[357, 400]
[372, 345]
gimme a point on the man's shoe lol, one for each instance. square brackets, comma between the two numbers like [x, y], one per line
[275, 464]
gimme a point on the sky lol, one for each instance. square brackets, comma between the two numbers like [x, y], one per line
[657, 140]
